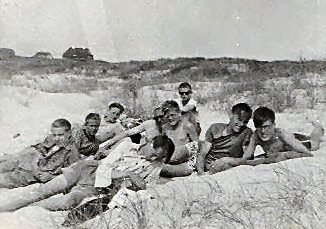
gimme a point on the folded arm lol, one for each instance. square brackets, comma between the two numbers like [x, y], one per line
[204, 147]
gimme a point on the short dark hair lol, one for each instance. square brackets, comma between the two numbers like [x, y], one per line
[243, 110]
[61, 123]
[185, 85]
[93, 116]
[166, 143]
[117, 105]
[157, 112]
[263, 114]
[168, 105]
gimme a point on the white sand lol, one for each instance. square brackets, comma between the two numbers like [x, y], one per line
[30, 113]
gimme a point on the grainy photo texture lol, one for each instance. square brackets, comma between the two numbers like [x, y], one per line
[162, 114]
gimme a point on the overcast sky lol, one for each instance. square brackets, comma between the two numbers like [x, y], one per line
[122, 30]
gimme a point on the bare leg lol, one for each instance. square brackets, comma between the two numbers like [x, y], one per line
[179, 170]
[14, 199]
[180, 155]
[67, 201]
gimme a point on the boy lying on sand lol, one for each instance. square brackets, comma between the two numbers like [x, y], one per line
[226, 140]
[134, 168]
[83, 141]
[41, 162]
[185, 137]
[151, 128]
[278, 144]
[111, 125]
[87, 145]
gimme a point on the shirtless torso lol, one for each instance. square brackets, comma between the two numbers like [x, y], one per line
[181, 134]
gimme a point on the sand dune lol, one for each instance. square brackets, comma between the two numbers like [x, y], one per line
[29, 113]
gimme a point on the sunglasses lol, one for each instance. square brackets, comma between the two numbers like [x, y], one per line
[184, 93]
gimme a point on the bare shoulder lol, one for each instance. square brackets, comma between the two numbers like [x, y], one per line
[188, 125]
[217, 127]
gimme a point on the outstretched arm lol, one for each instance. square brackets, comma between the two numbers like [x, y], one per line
[103, 137]
[136, 130]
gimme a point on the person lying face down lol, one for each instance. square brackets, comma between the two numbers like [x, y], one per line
[133, 170]
[227, 139]
[85, 140]
[41, 162]
[112, 125]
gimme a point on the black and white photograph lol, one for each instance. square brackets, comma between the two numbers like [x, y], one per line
[159, 114]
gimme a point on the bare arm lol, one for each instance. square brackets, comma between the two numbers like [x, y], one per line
[191, 132]
[136, 130]
[296, 145]
[105, 136]
[209, 135]
[188, 107]
[204, 147]
[249, 146]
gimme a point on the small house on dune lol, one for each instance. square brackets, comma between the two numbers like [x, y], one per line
[43, 55]
[79, 54]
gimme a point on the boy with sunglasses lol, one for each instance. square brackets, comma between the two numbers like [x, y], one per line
[188, 105]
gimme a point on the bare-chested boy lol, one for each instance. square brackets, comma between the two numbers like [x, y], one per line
[226, 140]
[182, 132]
[112, 126]
[42, 162]
[188, 105]
[277, 143]
[280, 144]
[151, 128]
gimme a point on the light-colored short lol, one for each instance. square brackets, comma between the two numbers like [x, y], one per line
[193, 149]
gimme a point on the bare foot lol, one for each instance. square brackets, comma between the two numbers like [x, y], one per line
[316, 135]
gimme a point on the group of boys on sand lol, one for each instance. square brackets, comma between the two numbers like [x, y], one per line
[85, 161]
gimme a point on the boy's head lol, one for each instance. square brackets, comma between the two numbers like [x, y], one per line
[61, 131]
[163, 147]
[172, 112]
[92, 123]
[241, 114]
[185, 91]
[113, 113]
[264, 121]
